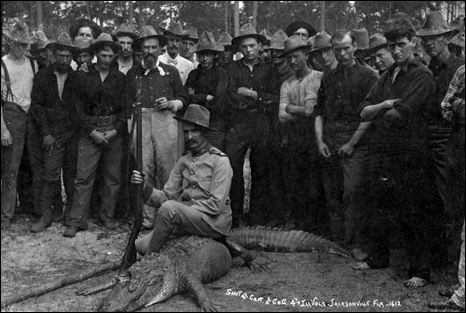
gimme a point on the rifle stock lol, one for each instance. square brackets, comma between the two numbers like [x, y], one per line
[130, 255]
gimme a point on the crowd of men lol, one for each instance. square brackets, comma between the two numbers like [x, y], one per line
[346, 132]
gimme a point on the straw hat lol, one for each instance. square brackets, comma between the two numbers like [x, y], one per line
[435, 25]
[19, 33]
[126, 30]
[290, 29]
[207, 43]
[197, 115]
[294, 43]
[248, 31]
[149, 32]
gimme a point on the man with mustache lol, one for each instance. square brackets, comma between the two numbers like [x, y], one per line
[125, 37]
[341, 140]
[54, 113]
[159, 88]
[200, 207]
[435, 37]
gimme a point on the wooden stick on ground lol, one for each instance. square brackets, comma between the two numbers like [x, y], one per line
[62, 282]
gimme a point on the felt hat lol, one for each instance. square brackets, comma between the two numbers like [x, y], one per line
[290, 29]
[190, 32]
[278, 40]
[63, 41]
[362, 38]
[197, 115]
[83, 44]
[175, 28]
[149, 32]
[207, 42]
[19, 33]
[435, 25]
[104, 39]
[267, 35]
[376, 42]
[224, 42]
[322, 40]
[42, 41]
[126, 30]
[248, 31]
[74, 29]
[294, 43]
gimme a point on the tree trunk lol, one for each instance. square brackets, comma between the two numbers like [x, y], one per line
[389, 10]
[227, 16]
[236, 18]
[32, 23]
[322, 17]
[39, 13]
[131, 13]
[88, 10]
[255, 6]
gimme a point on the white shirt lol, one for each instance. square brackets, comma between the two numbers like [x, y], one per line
[183, 65]
[21, 81]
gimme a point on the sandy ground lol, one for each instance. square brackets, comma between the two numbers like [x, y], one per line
[297, 281]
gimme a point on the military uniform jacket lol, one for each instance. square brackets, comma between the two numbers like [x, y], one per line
[201, 182]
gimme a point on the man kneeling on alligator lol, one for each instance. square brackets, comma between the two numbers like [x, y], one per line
[195, 199]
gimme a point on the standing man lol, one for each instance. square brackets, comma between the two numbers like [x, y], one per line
[82, 55]
[102, 113]
[301, 29]
[208, 85]
[340, 138]
[298, 97]
[435, 37]
[323, 52]
[398, 181]
[188, 44]
[227, 50]
[162, 94]
[40, 50]
[201, 207]
[126, 35]
[87, 30]
[378, 50]
[254, 89]
[16, 83]
[276, 50]
[174, 34]
[53, 111]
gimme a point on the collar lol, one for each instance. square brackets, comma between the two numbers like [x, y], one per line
[347, 70]
[157, 66]
[257, 63]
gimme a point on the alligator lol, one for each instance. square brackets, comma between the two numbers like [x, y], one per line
[186, 263]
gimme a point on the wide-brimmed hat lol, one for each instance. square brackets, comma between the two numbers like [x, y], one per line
[19, 33]
[175, 28]
[149, 32]
[248, 31]
[63, 41]
[207, 43]
[126, 30]
[435, 25]
[294, 43]
[278, 40]
[362, 38]
[83, 44]
[322, 40]
[376, 42]
[104, 39]
[190, 32]
[197, 115]
[74, 29]
[267, 35]
[42, 41]
[290, 29]
[224, 42]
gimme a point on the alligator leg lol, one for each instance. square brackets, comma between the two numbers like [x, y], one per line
[195, 286]
[249, 257]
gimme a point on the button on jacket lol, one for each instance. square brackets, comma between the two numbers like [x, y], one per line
[202, 182]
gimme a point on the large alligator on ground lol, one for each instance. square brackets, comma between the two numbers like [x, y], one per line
[186, 263]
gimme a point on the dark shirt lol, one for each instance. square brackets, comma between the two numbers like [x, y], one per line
[97, 98]
[341, 92]
[264, 79]
[214, 82]
[413, 87]
[443, 74]
[155, 86]
[52, 115]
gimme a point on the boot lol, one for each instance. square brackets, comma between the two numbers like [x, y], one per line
[162, 230]
[46, 207]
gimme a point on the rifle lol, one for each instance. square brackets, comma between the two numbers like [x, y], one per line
[130, 255]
